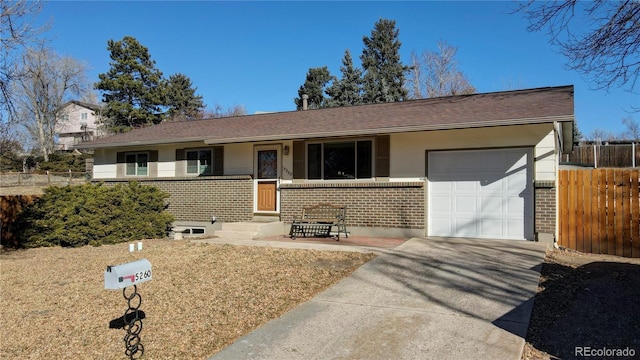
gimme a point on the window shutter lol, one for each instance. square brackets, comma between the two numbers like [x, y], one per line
[298, 160]
[120, 164]
[218, 160]
[153, 163]
[180, 163]
[382, 155]
[179, 154]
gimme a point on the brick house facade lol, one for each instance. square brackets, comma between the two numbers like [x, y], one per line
[481, 165]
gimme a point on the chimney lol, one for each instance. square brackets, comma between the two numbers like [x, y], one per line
[305, 105]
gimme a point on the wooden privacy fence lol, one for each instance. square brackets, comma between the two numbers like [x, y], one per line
[600, 211]
[605, 156]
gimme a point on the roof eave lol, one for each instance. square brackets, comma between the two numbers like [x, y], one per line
[359, 132]
[137, 143]
[468, 125]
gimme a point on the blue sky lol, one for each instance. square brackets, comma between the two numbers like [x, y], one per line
[257, 54]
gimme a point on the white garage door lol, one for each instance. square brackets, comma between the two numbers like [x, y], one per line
[481, 193]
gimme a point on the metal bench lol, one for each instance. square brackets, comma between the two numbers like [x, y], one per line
[318, 221]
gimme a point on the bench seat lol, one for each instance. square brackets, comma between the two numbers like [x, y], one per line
[318, 221]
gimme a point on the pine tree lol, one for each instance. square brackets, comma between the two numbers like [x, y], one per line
[314, 86]
[348, 90]
[383, 71]
[132, 88]
[183, 103]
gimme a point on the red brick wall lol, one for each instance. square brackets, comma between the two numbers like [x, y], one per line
[545, 207]
[371, 204]
[375, 204]
[230, 198]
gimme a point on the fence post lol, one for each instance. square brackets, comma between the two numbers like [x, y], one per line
[595, 157]
[48, 178]
[69, 176]
[633, 154]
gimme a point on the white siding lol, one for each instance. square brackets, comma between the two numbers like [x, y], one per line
[103, 166]
[238, 159]
[167, 161]
[408, 149]
[546, 158]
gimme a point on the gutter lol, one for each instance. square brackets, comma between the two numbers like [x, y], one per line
[139, 143]
[355, 132]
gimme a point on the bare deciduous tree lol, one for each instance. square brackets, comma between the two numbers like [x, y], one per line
[436, 73]
[47, 82]
[16, 32]
[632, 129]
[601, 135]
[608, 52]
[219, 112]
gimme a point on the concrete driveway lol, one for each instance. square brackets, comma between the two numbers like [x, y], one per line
[428, 298]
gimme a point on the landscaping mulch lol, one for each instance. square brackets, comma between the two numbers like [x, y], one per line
[201, 298]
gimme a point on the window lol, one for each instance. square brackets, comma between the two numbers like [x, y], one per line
[340, 160]
[137, 164]
[199, 162]
[83, 116]
[195, 230]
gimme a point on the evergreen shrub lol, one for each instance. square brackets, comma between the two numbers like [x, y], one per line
[93, 214]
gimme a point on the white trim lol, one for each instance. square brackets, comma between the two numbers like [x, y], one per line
[256, 149]
[126, 163]
[186, 161]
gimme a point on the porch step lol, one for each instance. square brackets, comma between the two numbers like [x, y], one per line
[236, 234]
[266, 218]
[250, 230]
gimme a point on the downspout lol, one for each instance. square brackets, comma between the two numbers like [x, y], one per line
[556, 233]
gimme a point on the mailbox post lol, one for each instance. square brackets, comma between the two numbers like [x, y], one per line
[123, 276]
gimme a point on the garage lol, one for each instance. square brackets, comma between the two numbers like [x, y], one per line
[481, 193]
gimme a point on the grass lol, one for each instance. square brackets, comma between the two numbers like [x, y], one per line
[202, 297]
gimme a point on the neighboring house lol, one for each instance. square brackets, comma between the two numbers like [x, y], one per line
[78, 122]
[480, 165]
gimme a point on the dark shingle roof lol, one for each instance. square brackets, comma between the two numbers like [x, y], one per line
[466, 111]
[93, 107]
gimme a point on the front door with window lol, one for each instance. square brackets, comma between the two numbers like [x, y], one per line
[266, 177]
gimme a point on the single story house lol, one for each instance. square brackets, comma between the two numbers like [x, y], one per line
[481, 165]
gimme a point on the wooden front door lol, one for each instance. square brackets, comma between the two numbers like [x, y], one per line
[267, 173]
[267, 196]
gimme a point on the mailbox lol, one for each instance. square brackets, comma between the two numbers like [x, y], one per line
[129, 274]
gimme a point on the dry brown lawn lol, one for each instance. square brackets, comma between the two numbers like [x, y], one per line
[202, 297]
[584, 300]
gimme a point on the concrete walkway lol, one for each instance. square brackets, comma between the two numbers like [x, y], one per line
[426, 299]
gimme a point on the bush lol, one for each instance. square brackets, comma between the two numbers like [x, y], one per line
[64, 161]
[93, 214]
